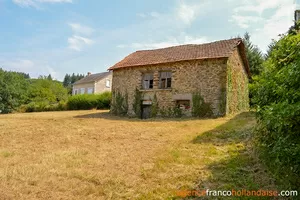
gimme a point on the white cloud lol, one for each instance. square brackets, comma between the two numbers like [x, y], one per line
[142, 15]
[265, 25]
[78, 42]
[81, 29]
[35, 3]
[245, 21]
[34, 68]
[151, 14]
[19, 65]
[171, 41]
[154, 14]
[259, 6]
[187, 13]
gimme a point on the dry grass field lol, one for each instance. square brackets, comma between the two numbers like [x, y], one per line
[92, 155]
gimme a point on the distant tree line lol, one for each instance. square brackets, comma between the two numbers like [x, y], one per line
[17, 88]
[42, 93]
[70, 79]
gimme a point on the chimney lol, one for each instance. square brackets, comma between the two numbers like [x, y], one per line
[89, 73]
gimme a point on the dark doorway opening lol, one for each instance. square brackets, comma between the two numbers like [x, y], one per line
[146, 111]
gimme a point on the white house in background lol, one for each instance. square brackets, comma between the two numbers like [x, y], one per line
[93, 83]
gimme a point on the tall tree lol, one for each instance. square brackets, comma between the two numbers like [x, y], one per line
[271, 47]
[67, 80]
[49, 77]
[254, 55]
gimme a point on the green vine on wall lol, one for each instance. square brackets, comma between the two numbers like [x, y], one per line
[222, 103]
[137, 103]
[120, 103]
[229, 89]
[154, 107]
[200, 107]
[237, 94]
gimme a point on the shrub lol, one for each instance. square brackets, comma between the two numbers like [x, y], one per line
[120, 104]
[89, 101]
[200, 107]
[42, 107]
[277, 98]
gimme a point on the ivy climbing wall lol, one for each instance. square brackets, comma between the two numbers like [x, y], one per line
[237, 97]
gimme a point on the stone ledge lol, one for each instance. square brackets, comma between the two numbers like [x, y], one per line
[155, 90]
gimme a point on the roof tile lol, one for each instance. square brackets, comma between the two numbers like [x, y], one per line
[92, 78]
[218, 49]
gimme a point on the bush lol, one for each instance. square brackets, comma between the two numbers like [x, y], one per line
[89, 101]
[43, 107]
[277, 98]
[200, 107]
[120, 104]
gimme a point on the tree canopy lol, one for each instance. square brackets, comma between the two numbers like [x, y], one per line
[13, 90]
[254, 55]
[277, 97]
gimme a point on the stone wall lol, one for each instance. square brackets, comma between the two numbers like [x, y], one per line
[207, 76]
[237, 85]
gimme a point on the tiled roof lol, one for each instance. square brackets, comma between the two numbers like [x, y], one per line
[92, 78]
[218, 49]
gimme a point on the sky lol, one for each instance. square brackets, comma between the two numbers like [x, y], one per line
[56, 37]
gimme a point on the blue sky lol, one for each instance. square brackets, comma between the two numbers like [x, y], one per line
[65, 36]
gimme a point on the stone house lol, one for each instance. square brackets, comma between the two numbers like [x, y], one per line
[93, 83]
[171, 77]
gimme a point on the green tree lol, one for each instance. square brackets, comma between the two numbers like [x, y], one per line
[277, 97]
[13, 90]
[67, 80]
[271, 47]
[45, 90]
[254, 55]
[49, 77]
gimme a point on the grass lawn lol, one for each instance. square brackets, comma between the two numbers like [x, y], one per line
[92, 155]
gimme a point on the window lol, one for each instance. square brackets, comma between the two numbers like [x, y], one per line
[82, 90]
[165, 80]
[76, 91]
[107, 83]
[147, 81]
[183, 104]
[90, 90]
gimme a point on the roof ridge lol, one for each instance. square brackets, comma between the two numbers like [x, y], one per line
[211, 50]
[181, 45]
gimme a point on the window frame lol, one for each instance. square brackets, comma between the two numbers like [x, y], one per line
[82, 89]
[165, 79]
[90, 89]
[107, 81]
[183, 104]
[149, 77]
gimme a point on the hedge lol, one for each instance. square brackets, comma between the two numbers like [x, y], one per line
[89, 101]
